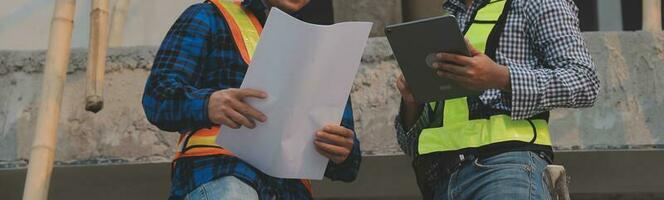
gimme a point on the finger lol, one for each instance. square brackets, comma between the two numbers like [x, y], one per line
[338, 130]
[240, 119]
[248, 92]
[247, 110]
[402, 79]
[334, 158]
[322, 152]
[458, 79]
[461, 81]
[406, 94]
[452, 68]
[401, 86]
[330, 149]
[225, 120]
[454, 58]
[333, 139]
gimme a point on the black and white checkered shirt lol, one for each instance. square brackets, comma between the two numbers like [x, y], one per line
[549, 64]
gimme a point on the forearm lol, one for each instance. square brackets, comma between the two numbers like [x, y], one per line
[407, 137]
[539, 90]
[177, 112]
[409, 114]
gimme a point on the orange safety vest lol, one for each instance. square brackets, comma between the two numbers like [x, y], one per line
[245, 29]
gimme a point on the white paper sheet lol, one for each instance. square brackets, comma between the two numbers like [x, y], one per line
[307, 71]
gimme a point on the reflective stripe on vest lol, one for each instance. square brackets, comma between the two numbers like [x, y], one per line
[245, 27]
[200, 143]
[458, 131]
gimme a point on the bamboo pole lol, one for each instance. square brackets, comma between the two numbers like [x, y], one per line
[120, 10]
[42, 151]
[652, 15]
[94, 99]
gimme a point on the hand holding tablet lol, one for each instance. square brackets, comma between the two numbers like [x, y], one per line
[416, 45]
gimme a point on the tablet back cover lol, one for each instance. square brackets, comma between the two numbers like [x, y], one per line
[413, 42]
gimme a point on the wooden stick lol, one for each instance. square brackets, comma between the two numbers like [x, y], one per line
[120, 10]
[42, 151]
[652, 15]
[94, 98]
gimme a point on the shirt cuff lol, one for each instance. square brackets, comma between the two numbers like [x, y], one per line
[408, 139]
[200, 116]
[526, 92]
[347, 170]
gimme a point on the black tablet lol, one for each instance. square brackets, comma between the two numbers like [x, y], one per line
[414, 45]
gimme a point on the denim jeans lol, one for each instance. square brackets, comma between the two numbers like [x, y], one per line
[227, 187]
[508, 176]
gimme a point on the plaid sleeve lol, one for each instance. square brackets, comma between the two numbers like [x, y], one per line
[171, 100]
[567, 77]
[347, 171]
[407, 139]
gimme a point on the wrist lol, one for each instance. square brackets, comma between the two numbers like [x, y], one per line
[409, 115]
[206, 108]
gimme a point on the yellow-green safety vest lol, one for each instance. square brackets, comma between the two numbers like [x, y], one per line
[457, 131]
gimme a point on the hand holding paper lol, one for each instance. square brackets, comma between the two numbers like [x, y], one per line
[227, 107]
[334, 142]
[290, 63]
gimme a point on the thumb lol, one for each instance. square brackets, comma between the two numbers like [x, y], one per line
[471, 48]
[402, 85]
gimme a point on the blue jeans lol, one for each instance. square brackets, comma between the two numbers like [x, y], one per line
[510, 176]
[227, 187]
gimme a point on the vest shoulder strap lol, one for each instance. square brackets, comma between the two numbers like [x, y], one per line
[497, 31]
[245, 27]
[487, 24]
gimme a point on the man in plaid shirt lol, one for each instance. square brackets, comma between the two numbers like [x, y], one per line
[194, 84]
[541, 63]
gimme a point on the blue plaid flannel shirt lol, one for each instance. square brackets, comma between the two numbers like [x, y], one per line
[197, 57]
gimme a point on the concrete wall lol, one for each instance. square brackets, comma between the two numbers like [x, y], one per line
[609, 15]
[147, 22]
[381, 13]
[628, 114]
[414, 10]
[119, 133]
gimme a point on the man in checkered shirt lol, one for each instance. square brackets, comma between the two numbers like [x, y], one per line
[541, 63]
